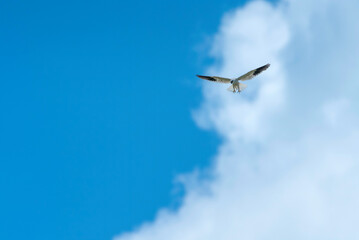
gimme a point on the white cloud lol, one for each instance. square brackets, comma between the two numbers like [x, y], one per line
[288, 166]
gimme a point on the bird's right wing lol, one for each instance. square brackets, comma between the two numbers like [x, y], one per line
[215, 79]
[251, 74]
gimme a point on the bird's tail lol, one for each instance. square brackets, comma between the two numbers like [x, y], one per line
[231, 89]
[242, 86]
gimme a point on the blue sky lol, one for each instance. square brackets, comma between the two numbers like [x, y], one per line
[96, 100]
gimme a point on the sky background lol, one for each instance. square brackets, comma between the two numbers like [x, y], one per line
[104, 126]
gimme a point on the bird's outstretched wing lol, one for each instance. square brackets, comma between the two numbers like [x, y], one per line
[251, 74]
[215, 79]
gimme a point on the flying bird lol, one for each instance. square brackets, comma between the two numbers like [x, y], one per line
[235, 84]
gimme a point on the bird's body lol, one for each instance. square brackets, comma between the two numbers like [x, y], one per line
[236, 86]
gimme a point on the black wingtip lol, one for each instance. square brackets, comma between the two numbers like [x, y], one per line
[265, 66]
[261, 69]
[206, 78]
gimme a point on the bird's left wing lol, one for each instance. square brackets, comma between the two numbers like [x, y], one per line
[215, 79]
[251, 74]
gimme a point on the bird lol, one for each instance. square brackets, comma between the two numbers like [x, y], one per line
[236, 86]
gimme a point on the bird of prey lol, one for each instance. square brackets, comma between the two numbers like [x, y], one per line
[235, 84]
